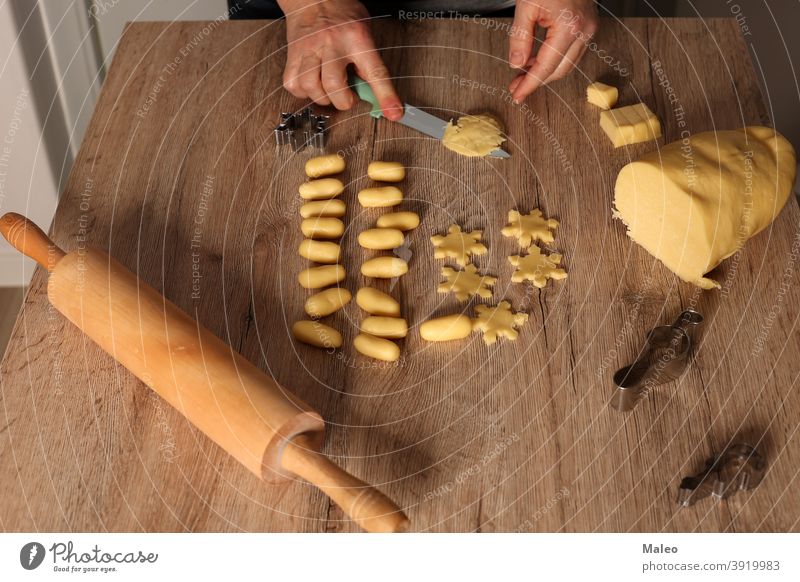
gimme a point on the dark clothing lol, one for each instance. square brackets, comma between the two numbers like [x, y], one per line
[246, 9]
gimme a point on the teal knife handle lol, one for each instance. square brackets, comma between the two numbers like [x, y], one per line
[364, 92]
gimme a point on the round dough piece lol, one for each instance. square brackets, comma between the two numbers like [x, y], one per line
[473, 135]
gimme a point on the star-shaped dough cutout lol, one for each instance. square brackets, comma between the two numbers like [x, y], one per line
[537, 266]
[498, 321]
[528, 228]
[466, 283]
[458, 245]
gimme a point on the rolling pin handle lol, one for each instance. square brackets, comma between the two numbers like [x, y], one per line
[367, 506]
[29, 239]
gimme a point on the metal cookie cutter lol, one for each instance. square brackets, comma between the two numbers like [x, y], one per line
[663, 358]
[313, 129]
[739, 468]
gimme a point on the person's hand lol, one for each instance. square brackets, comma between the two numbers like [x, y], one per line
[323, 39]
[570, 26]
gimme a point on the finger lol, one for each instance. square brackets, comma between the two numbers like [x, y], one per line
[550, 54]
[311, 81]
[518, 79]
[515, 83]
[291, 74]
[520, 43]
[334, 81]
[370, 67]
[569, 61]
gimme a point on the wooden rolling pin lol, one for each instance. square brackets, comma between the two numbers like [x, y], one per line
[265, 427]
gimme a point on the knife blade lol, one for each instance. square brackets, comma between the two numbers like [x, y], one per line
[413, 117]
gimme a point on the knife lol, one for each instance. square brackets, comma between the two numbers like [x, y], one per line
[413, 117]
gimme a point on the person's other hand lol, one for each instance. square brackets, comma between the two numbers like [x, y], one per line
[570, 25]
[323, 39]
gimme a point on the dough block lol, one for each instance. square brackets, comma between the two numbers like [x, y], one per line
[447, 328]
[381, 239]
[386, 171]
[324, 166]
[319, 251]
[384, 267]
[321, 189]
[630, 125]
[388, 327]
[319, 277]
[691, 214]
[377, 302]
[400, 220]
[322, 227]
[381, 197]
[602, 95]
[316, 334]
[327, 302]
[376, 347]
[333, 207]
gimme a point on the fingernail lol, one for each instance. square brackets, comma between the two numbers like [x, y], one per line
[394, 111]
[516, 59]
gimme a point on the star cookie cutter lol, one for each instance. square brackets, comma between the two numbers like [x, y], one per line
[313, 129]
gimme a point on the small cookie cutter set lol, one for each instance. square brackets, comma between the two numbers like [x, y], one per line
[663, 358]
[302, 129]
[740, 467]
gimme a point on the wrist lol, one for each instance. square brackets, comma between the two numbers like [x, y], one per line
[309, 8]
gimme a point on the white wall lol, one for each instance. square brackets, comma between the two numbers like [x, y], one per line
[111, 15]
[52, 58]
[770, 31]
[27, 182]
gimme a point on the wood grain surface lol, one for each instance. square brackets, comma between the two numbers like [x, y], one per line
[179, 179]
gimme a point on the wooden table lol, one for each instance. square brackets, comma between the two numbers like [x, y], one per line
[179, 179]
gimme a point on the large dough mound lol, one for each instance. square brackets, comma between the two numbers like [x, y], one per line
[693, 203]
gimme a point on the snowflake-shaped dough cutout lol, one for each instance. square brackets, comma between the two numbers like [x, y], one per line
[498, 321]
[466, 283]
[537, 266]
[528, 228]
[458, 245]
